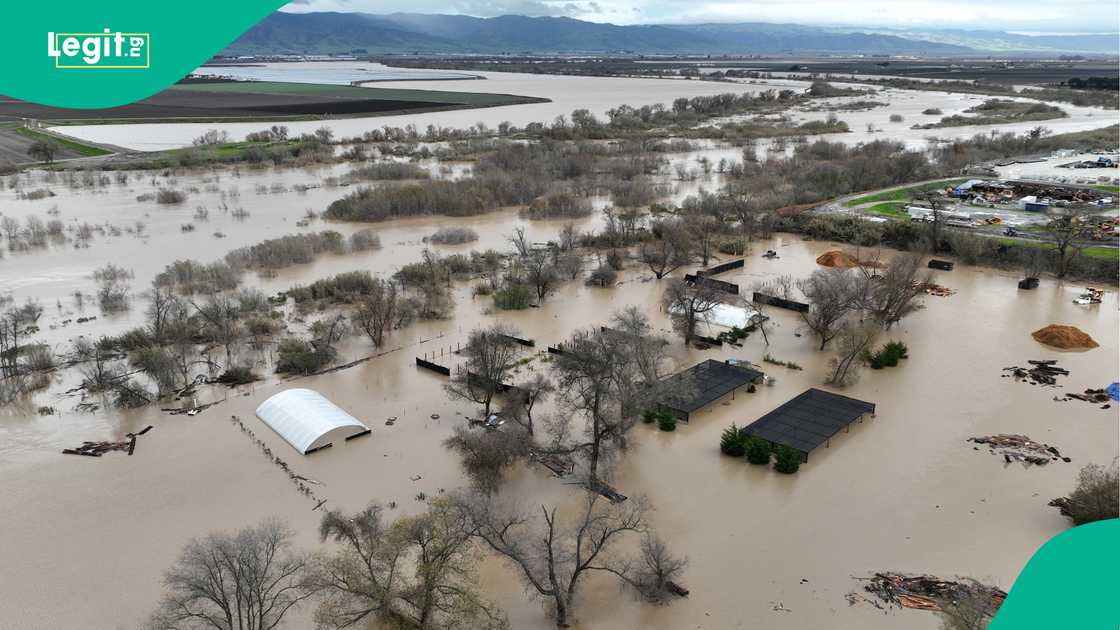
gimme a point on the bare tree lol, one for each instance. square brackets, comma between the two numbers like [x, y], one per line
[657, 568]
[490, 354]
[554, 558]
[607, 376]
[222, 317]
[378, 311]
[541, 273]
[525, 397]
[1068, 232]
[832, 296]
[416, 573]
[896, 293]
[851, 342]
[689, 303]
[242, 581]
[520, 242]
[668, 253]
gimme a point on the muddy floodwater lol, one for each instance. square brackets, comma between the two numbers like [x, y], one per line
[86, 539]
[599, 94]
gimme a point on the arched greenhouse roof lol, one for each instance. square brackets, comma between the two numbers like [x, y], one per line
[307, 420]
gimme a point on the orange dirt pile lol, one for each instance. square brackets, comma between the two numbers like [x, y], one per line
[838, 259]
[1064, 337]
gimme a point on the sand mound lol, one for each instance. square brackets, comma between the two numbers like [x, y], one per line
[1064, 337]
[838, 259]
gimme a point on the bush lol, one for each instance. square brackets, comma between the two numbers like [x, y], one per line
[170, 195]
[788, 461]
[513, 297]
[667, 422]
[896, 118]
[238, 375]
[887, 356]
[296, 356]
[604, 276]
[453, 236]
[1096, 496]
[733, 442]
[932, 111]
[364, 240]
[757, 450]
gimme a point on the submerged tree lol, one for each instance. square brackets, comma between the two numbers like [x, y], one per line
[608, 376]
[242, 581]
[851, 343]
[895, 294]
[832, 296]
[415, 573]
[378, 311]
[688, 305]
[490, 354]
[1096, 496]
[555, 553]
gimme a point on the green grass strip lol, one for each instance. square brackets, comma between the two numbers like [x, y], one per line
[76, 147]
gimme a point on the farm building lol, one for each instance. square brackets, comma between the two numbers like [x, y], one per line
[307, 420]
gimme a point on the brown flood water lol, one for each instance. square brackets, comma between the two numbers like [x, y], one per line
[86, 539]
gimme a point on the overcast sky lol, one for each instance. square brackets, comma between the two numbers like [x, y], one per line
[1064, 16]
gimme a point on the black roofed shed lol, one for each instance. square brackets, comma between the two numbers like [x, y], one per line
[810, 419]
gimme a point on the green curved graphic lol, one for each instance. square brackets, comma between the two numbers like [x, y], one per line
[171, 40]
[1071, 582]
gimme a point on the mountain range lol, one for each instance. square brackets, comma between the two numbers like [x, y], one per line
[323, 33]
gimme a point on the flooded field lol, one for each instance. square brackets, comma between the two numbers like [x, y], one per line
[599, 94]
[89, 538]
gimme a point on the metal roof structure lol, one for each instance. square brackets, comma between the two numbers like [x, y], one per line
[805, 422]
[307, 420]
[709, 380]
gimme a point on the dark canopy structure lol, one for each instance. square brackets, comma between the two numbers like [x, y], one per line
[704, 383]
[809, 420]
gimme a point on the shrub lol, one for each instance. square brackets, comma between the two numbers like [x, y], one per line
[757, 450]
[932, 111]
[238, 375]
[667, 422]
[513, 297]
[364, 240]
[453, 236]
[604, 276]
[787, 461]
[887, 356]
[896, 118]
[649, 416]
[170, 195]
[1095, 498]
[732, 442]
[296, 356]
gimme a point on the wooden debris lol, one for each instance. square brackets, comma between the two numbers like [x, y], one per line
[191, 411]
[1020, 448]
[926, 592]
[560, 465]
[676, 589]
[1039, 372]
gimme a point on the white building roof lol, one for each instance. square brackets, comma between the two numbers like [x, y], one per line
[307, 420]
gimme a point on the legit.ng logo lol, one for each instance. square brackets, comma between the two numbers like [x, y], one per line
[105, 50]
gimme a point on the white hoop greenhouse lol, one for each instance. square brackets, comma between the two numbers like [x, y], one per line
[307, 420]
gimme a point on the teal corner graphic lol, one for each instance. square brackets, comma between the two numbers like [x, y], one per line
[104, 54]
[1073, 581]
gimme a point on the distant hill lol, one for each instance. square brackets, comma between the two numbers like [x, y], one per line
[320, 33]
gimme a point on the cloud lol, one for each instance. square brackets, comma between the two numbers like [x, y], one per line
[1022, 15]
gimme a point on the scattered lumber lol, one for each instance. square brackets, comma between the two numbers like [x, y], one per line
[1038, 372]
[1020, 448]
[926, 592]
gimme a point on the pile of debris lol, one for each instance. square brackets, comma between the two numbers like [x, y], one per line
[1095, 396]
[934, 289]
[1039, 372]
[1019, 448]
[926, 592]
[838, 259]
[97, 449]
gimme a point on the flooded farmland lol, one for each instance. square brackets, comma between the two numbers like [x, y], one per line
[598, 94]
[89, 538]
